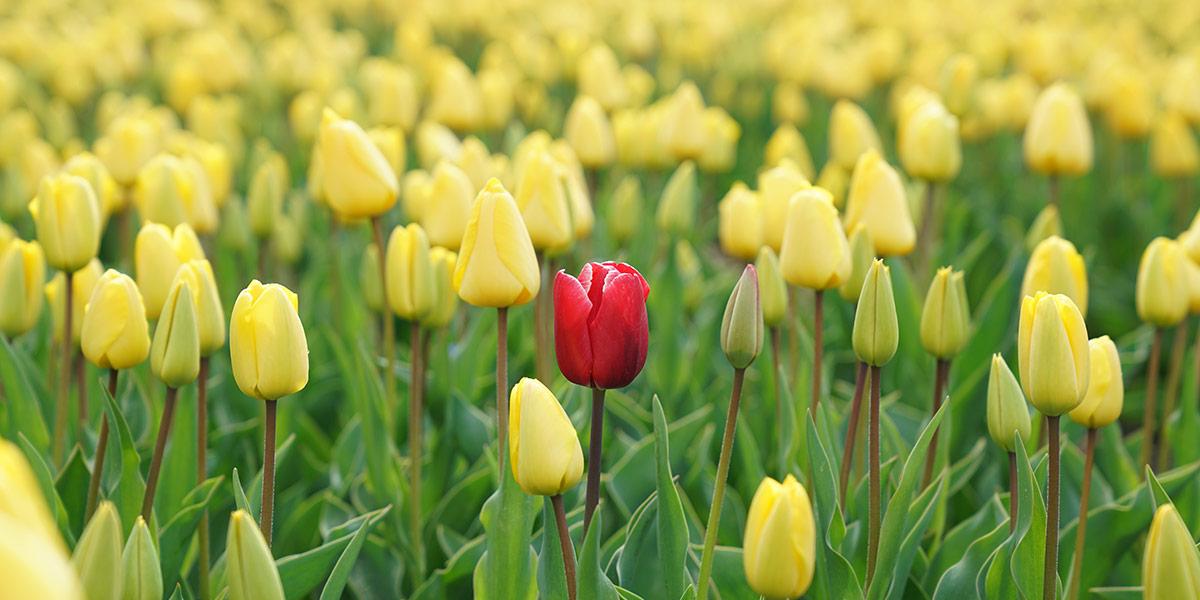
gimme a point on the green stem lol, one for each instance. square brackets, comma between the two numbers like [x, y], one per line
[415, 417]
[1170, 393]
[160, 445]
[714, 513]
[1050, 572]
[502, 380]
[1012, 492]
[389, 334]
[939, 390]
[268, 486]
[818, 347]
[564, 543]
[860, 380]
[202, 474]
[873, 475]
[64, 380]
[93, 496]
[1081, 529]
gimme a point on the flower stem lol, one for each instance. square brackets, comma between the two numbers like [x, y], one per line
[502, 380]
[818, 347]
[852, 432]
[389, 334]
[564, 542]
[1150, 406]
[939, 391]
[1050, 573]
[777, 380]
[160, 444]
[1012, 491]
[93, 496]
[81, 392]
[415, 422]
[594, 465]
[268, 478]
[714, 513]
[202, 473]
[64, 380]
[873, 475]
[1081, 529]
[1170, 395]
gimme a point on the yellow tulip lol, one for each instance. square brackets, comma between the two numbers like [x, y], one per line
[877, 201]
[1173, 149]
[496, 266]
[1181, 87]
[1052, 349]
[417, 193]
[930, 148]
[115, 334]
[1106, 390]
[815, 252]
[158, 252]
[574, 183]
[851, 134]
[496, 89]
[1162, 283]
[476, 162]
[589, 132]
[676, 212]
[126, 146]
[202, 210]
[779, 548]
[1047, 224]
[946, 316]
[1171, 564]
[788, 105]
[87, 166]
[22, 503]
[1058, 138]
[1130, 106]
[455, 98]
[67, 216]
[448, 206]
[543, 204]
[787, 143]
[210, 316]
[1055, 267]
[625, 216]
[445, 301]
[600, 77]
[740, 222]
[267, 345]
[723, 133]
[368, 278]
[958, 83]
[175, 350]
[435, 142]
[22, 271]
[876, 332]
[268, 187]
[390, 141]
[97, 557]
[1007, 413]
[776, 186]
[543, 447]
[409, 273]
[391, 94]
[683, 125]
[164, 191]
[83, 282]
[34, 565]
[357, 178]
[771, 287]
[250, 567]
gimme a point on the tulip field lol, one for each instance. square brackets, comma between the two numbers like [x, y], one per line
[582, 300]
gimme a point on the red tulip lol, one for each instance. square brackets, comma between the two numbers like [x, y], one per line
[600, 325]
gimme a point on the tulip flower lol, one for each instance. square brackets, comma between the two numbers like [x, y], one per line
[1058, 138]
[264, 199]
[1174, 152]
[126, 146]
[390, 141]
[625, 216]
[250, 568]
[357, 178]
[447, 209]
[33, 558]
[779, 547]
[1131, 103]
[435, 142]
[776, 186]
[590, 133]
[83, 282]
[455, 98]
[368, 279]
[158, 254]
[1163, 294]
[67, 216]
[683, 125]
[164, 191]
[22, 271]
[476, 163]
[1008, 422]
[143, 571]
[740, 222]
[543, 204]
[583, 218]
[409, 282]
[496, 266]
[600, 77]
[723, 133]
[1055, 267]
[22, 503]
[1171, 564]
[546, 457]
[87, 166]
[445, 301]
[877, 200]
[945, 326]
[772, 287]
[741, 339]
[930, 148]
[787, 143]
[676, 214]
[851, 134]
[97, 557]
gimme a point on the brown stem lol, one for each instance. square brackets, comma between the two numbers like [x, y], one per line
[564, 542]
[594, 465]
[852, 432]
[818, 346]
[268, 478]
[873, 477]
[64, 381]
[714, 513]
[777, 379]
[389, 334]
[1050, 573]
[160, 444]
[1081, 529]
[926, 244]
[939, 391]
[502, 380]
[93, 496]
[202, 472]
[1170, 393]
[794, 338]
[1012, 491]
[81, 391]
[1150, 406]
[415, 417]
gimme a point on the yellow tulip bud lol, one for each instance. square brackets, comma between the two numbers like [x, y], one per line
[876, 333]
[202, 208]
[1007, 413]
[210, 316]
[143, 571]
[574, 183]
[1171, 564]
[455, 98]
[600, 77]
[22, 271]
[1130, 105]
[417, 193]
[676, 213]
[877, 200]
[1162, 283]
[175, 350]
[776, 186]
[445, 301]
[779, 548]
[543, 447]
[390, 141]
[722, 132]
[789, 106]
[115, 334]
[851, 134]
[1181, 87]
[368, 278]
[1047, 224]
[1106, 390]
[1193, 271]
[286, 244]
[946, 316]
[250, 568]
[862, 254]
[409, 275]
[543, 204]
[1058, 138]
[625, 216]
[740, 222]
[684, 123]
[435, 143]
[67, 216]
[930, 148]
[357, 178]
[83, 282]
[164, 191]
[127, 145]
[158, 253]
[589, 132]
[496, 89]
[1055, 267]
[35, 565]
[267, 345]
[87, 166]
[217, 166]
[449, 206]
[771, 287]
[476, 162]
[497, 266]
[958, 82]
[787, 143]
[1053, 350]
[391, 94]
[268, 187]
[97, 557]
[815, 252]
[1173, 149]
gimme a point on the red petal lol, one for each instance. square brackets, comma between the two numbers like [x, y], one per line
[627, 268]
[620, 331]
[572, 342]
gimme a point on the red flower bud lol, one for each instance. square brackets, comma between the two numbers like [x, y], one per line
[600, 327]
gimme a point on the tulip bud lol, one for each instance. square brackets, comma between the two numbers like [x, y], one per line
[97, 557]
[1106, 390]
[357, 178]
[210, 316]
[87, 166]
[250, 568]
[742, 325]
[1057, 268]
[175, 351]
[143, 571]
[1007, 413]
[687, 263]
[851, 134]
[391, 94]
[877, 200]
[574, 183]
[835, 180]
[164, 191]
[390, 142]
[496, 266]
[740, 222]
[496, 89]
[1047, 224]
[127, 145]
[815, 252]
[446, 207]
[600, 77]
[68, 221]
[417, 194]
[34, 565]
[409, 277]
[115, 334]
[946, 317]
[601, 331]
[676, 213]
[1058, 138]
[1162, 283]
[455, 98]
[787, 143]
[862, 254]
[158, 253]
[22, 271]
[876, 332]
[789, 106]
[543, 447]
[771, 287]
[1181, 87]
[1171, 564]
[436, 143]
[779, 548]
[776, 186]
[930, 148]
[589, 132]
[683, 125]
[368, 278]
[1173, 149]
[445, 301]
[625, 216]
[543, 204]
[264, 200]
[723, 133]
[267, 345]
[1131, 103]
[476, 163]
[83, 282]
[1056, 379]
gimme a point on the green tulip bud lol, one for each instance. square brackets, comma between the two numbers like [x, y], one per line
[625, 216]
[771, 287]
[946, 317]
[742, 325]
[1171, 565]
[250, 568]
[175, 351]
[143, 572]
[1007, 413]
[97, 557]
[677, 209]
[876, 330]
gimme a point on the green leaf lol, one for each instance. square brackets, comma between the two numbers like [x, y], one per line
[671, 525]
[506, 569]
[175, 537]
[341, 571]
[41, 471]
[1157, 493]
[302, 573]
[130, 486]
[21, 408]
[593, 583]
[552, 580]
[833, 576]
[959, 581]
[72, 488]
[239, 494]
